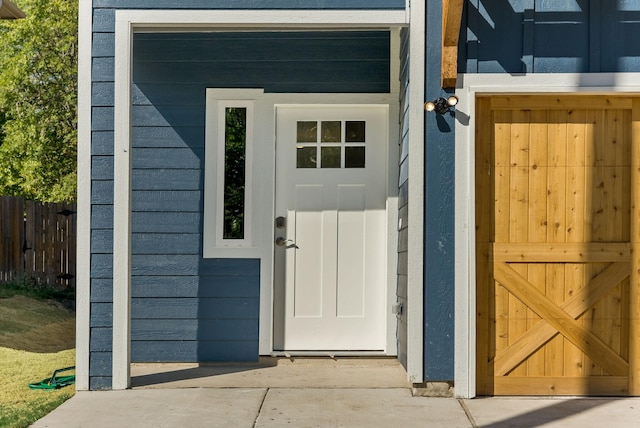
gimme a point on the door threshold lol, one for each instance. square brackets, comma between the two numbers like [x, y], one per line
[330, 354]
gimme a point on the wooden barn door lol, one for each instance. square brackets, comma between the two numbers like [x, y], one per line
[554, 238]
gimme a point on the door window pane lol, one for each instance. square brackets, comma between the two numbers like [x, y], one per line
[306, 157]
[355, 131]
[354, 157]
[331, 131]
[307, 132]
[330, 157]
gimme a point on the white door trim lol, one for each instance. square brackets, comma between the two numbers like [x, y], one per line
[83, 226]
[471, 85]
[415, 216]
[126, 22]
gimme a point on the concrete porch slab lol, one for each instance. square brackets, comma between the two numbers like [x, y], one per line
[158, 408]
[274, 372]
[355, 408]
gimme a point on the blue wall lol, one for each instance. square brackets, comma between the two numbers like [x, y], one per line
[545, 36]
[439, 216]
[184, 307]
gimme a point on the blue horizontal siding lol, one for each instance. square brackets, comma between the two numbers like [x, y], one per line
[157, 243]
[170, 265]
[101, 341]
[275, 61]
[168, 116]
[250, 4]
[167, 201]
[101, 266]
[102, 69]
[102, 192]
[102, 167]
[142, 137]
[167, 179]
[102, 94]
[189, 286]
[100, 364]
[101, 241]
[550, 37]
[101, 314]
[241, 47]
[103, 20]
[185, 308]
[194, 329]
[98, 383]
[102, 217]
[195, 308]
[168, 158]
[167, 94]
[307, 76]
[102, 45]
[102, 118]
[166, 222]
[102, 143]
[191, 351]
[101, 290]
[179, 265]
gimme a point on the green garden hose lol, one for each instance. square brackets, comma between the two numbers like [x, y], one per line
[55, 381]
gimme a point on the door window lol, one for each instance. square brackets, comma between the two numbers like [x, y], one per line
[331, 144]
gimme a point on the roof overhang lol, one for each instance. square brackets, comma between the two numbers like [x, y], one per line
[8, 10]
[451, 21]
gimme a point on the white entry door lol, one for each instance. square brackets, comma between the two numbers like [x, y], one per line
[330, 254]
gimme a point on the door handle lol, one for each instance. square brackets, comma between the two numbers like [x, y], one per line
[282, 242]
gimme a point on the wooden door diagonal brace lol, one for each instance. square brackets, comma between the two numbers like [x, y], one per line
[578, 304]
[526, 292]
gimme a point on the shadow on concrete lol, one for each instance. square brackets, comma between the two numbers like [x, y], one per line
[553, 413]
[200, 372]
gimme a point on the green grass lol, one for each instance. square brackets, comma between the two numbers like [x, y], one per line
[36, 337]
[19, 405]
[28, 288]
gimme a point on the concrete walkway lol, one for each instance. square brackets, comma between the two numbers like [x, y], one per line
[316, 393]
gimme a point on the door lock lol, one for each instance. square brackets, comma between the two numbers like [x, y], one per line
[280, 222]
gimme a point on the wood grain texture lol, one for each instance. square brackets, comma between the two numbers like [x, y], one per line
[553, 229]
[559, 319]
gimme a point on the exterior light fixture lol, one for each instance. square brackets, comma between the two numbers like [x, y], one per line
[441, 105]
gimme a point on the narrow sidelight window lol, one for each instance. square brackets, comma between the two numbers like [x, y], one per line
[235, 151]
[228, 175]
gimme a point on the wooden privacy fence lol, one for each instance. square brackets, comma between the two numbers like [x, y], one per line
[38, 242]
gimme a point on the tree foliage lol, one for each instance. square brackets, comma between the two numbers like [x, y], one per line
[38, 97]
